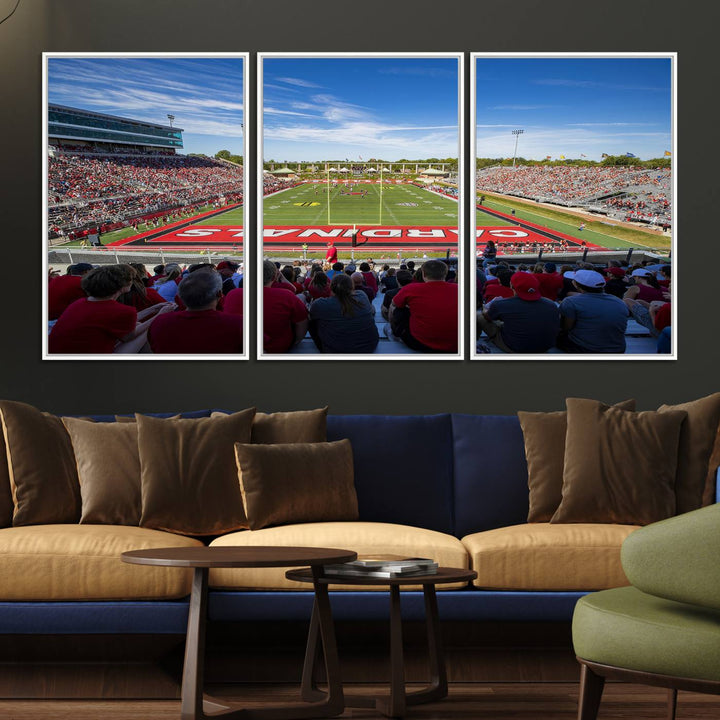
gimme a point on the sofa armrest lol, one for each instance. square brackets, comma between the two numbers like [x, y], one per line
[677, 558]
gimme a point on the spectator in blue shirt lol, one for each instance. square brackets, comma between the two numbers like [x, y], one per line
[592, 321]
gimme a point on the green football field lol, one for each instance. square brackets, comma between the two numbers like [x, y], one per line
[402, 205]
[612, 235]
[231, 217]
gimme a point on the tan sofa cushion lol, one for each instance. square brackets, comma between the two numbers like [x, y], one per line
[544, 556]
[365, 538]
[82, 562]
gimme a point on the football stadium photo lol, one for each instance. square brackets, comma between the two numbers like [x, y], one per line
[574, 207]
[360, 211]
[144, 206]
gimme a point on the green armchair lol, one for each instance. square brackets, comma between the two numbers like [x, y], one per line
[664, 629]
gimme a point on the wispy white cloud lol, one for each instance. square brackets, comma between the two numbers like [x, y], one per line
[269, 110]
[300, 82]
[571, 142]
[205, 96]
[283, 88]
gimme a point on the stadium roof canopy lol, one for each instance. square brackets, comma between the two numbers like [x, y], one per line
[284, 171]
[433, 171]
[68, 123]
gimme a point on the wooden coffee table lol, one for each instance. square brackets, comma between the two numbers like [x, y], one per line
[395, 704]
[193, 705]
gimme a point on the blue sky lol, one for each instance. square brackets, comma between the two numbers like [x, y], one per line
[574, 106]
[351, 108]
[204, 94]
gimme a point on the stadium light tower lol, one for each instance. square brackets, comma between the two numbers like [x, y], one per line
[517, 134]
[171, 118]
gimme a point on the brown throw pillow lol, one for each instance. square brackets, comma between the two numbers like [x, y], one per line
[6, 499]
[544, 435]
[188, 473]
[299, 426]
[297, 483]
[697, 439]
[108, 466]
[710, 493]
[41, 466]
[620, 466]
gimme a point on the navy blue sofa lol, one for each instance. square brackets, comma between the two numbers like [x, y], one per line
[452, 473]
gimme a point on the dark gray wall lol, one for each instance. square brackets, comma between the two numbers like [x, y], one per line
[369, 25]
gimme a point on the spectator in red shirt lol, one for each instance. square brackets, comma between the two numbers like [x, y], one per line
[285, 316]
[424, 315]
[99, 323]
[201, 329]
[499, 289]
[140, 296]
[64, 290]
[551, 281]
[288, 272]
[234, 302]
[370, 277]
[318, 287]
[331, 254]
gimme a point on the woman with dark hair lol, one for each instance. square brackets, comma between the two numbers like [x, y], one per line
[389, 280]
[344, 322]
[489, 253]
[140, 295]
[370, 277]
[314, 268]
[319, 287]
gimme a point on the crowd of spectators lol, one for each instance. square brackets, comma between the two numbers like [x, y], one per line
[124, 309]
[86, 190]
[334, 303]
[638, 194]
[583, 308]
[273, 184]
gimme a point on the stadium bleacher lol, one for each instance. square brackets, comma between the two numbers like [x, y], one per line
[99, 189]
[623, 192]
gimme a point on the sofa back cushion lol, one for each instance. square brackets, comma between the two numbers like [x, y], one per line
[491, 478]
[403, 467]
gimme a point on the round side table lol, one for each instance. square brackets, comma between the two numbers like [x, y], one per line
[395, 704]
[201, 559]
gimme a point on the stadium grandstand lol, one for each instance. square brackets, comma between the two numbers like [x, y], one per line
[624, 193]
[107, 172]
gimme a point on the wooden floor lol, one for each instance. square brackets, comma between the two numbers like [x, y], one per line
[476, 701]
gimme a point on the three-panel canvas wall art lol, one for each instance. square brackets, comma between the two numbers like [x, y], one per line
[378, 206]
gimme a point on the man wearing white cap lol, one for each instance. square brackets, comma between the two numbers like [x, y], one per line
[592, 321]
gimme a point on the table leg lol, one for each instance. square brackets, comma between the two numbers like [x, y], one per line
[195, 707]
[438, 687]
[308, 687]
[394, 706]
[193, 669]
